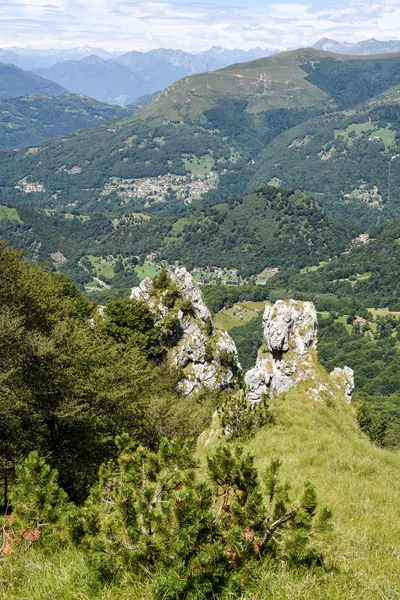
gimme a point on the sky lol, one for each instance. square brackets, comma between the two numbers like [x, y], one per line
[193, 26]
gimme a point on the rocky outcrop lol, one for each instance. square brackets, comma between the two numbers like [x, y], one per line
[344, 379]
[290, 332]
[288, 354]
[207, 358]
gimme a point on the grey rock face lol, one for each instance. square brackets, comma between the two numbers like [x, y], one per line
[345, 379]
[191, 290]
[198, 349]
[287, 357]
[294, 319]
[290, 332]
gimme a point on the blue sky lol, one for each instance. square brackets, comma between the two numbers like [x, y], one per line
[193, 25]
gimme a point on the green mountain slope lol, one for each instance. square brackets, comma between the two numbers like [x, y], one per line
[15, 82]
[73, 379]
[315, 442]
[356, 480]
[277, 81]
[349, 158]
[369, 273]
[286, 80]
[210, 127]
[269, 228]
[32, 119]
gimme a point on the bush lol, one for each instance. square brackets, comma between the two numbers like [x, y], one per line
[227, 359]
[151, 514]
[241, 419]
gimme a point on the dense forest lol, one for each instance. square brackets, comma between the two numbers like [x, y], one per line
[369, 274]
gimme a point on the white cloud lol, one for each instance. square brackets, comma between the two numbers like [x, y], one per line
[135, 24]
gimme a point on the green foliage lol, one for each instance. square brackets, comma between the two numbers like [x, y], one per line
[355, 179]
[270, 226]
[71, 379]
[372, 424]
[240, 419]
[209, 353]
[161, 281]
[152, 516]
[131, 323]
[227, 359]
[225, 296]
[376, 367]
[380, 258]
[187, 307]
[37, 503]
[32, 119]
[248, 339]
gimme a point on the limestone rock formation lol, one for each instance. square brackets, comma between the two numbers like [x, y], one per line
[288, 354]
[345, 379]
[208, 358]
[290, 332]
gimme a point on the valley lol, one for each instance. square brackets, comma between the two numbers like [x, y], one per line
[200, 325]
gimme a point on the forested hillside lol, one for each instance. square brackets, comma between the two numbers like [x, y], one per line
[34, 118]
[370, 273]
[269, 228]
[204, 138]
[347, 158]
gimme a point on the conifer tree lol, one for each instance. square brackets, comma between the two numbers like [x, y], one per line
[151, 515]
[37, 504]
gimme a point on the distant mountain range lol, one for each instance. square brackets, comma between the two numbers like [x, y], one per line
[32, 58]
[122, 78]
[365, 47]
[232, 131]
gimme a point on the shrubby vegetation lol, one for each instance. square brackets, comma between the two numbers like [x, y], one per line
[376, 363]
[71, 381]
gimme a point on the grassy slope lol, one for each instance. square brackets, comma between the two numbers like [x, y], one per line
[230, 317]
[274, 82]
[357, 480]
[316, 442]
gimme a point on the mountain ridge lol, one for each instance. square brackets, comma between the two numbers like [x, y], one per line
[15, 83]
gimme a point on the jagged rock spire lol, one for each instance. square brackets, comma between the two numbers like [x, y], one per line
[207, 358]
[288, 355]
